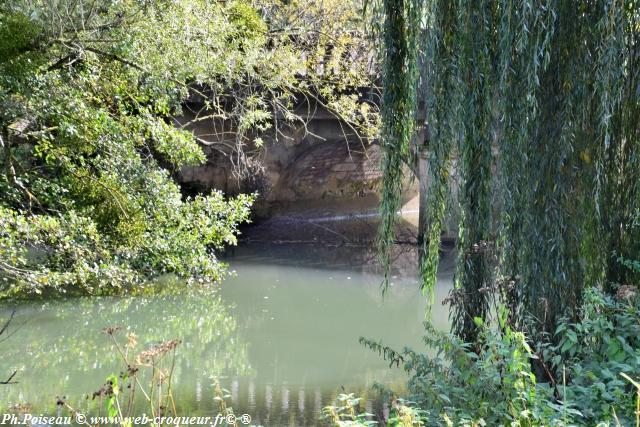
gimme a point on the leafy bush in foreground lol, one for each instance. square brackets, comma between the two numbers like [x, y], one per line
[591, 371]
[596, 351]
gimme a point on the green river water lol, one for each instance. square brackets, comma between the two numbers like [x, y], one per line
[281, 336]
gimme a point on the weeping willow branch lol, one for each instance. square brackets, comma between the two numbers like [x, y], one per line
[476, 59]
[442, 98]
[554, 89]
[398, 110]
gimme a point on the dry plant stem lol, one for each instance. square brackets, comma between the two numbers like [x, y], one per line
[637, 386]
[169, 389]
[131, 399]
[73, 412]
[160, 412]
[153, 374]
[127, 363]
[615, 417]
[119, 409]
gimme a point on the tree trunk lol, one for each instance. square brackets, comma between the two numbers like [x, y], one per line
[423, 183]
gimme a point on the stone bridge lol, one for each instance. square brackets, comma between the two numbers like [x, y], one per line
[324, 161]
[315, 168]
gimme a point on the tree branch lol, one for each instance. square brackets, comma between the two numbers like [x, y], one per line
[8, 380]
[2, 331]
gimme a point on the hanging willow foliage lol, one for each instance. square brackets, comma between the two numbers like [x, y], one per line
[564, 66]
[442, 103]
[476, 60]
[552, 87]
[400, 72]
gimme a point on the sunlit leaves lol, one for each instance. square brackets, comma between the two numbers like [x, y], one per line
[94, 208]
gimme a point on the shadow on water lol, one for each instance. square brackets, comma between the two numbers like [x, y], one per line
[282, 333]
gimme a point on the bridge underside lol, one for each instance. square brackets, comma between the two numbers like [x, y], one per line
[321, 160]
[317, 169]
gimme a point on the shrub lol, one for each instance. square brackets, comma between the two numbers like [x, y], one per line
[595, 351]
[492, 383]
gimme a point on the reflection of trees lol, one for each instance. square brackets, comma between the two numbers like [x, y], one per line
[62, 347]
[340, 241]
[3, 337]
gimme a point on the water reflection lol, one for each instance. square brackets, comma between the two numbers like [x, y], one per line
[302, 308]
[59, 349]
[282, 335]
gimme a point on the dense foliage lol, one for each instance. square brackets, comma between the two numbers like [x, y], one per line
[495, 385]
[533, 107]
[545, 94]
[88, 203]
[89, 92]
[399, 73]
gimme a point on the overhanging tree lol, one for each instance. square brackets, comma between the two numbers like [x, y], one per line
[552, 88]
[89, 92]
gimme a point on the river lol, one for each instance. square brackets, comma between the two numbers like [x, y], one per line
[281, 334]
